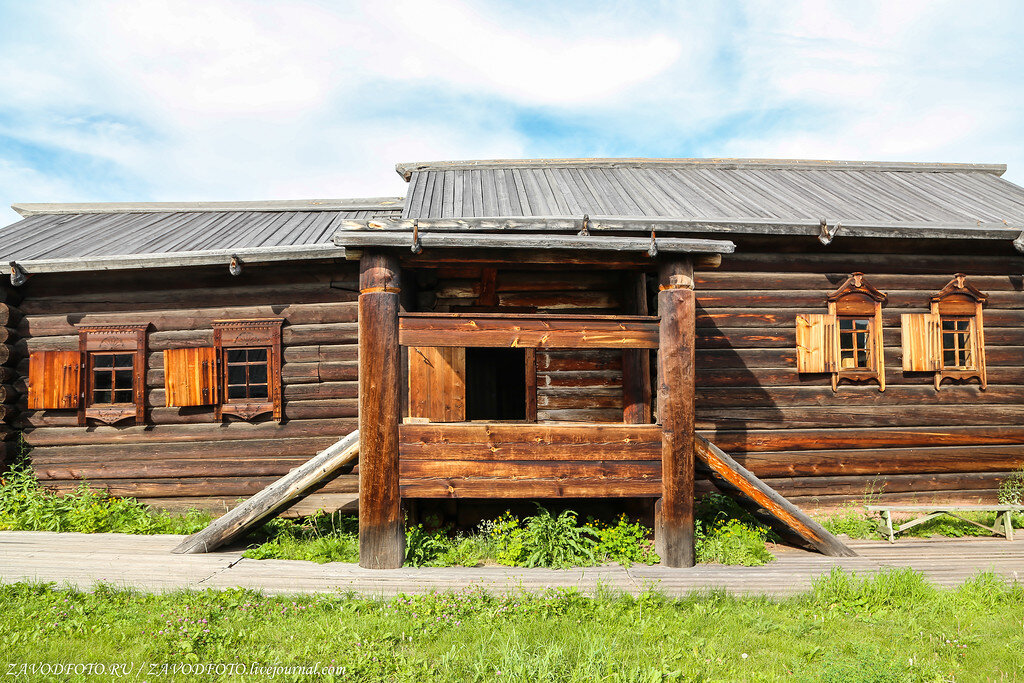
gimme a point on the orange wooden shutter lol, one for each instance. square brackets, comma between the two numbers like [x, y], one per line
[54, 380]
[190, 376]
[815, 342]
[921, 342]
[437, 383]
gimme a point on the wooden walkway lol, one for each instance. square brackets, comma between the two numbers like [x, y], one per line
[146, 562]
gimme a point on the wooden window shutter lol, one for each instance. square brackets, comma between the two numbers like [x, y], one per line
[190, 377]
[54, 380]
[437, 383]
[921, 342]
[815, 342]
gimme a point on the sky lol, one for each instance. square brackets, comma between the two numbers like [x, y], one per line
[187, 100]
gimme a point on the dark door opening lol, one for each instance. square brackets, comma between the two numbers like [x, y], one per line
[495, 384]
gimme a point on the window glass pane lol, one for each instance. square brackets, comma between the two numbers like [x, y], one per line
[236, 374]
[257, 355]
[124, 360]
[102, 360]
[124, 396]
[258, 374]
[101, 379]
[236, 392]
[236, 355]
[258, 390]
[101, 397]
[122, 379]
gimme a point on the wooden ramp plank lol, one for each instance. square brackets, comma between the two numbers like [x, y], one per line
[272, 498]
[795, 519]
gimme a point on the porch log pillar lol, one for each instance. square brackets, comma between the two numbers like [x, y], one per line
[381, 533]
[677, 309]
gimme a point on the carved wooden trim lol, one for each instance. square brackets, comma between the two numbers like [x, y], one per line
[112, 339]
[960, 299]
[250, 333]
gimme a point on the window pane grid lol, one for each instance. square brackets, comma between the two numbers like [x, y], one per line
[956, 343]
[247, 372]
[113, 378]
[854, 343]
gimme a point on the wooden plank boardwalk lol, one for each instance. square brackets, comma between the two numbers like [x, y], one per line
[146, 563]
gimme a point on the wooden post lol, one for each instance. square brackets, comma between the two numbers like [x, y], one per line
[636, 363]
[381, 533]
[677, 308]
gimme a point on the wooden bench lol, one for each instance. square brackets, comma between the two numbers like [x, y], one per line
[1003, 526]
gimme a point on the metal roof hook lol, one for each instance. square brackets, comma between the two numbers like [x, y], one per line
[585, 232]
[652, 250]
[828, 234]
[235, 267]
[18, 275]
[1019, 242]
[416, 246]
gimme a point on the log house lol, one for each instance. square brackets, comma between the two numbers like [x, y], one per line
[538, 329]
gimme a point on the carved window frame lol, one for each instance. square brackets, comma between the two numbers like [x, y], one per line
[857, 299]
[959, 300]
[250, 333]
[104, 339]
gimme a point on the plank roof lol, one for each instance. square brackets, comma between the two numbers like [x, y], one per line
[92, 235]
[725, 191]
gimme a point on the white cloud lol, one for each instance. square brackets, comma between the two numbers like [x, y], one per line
[194, 99]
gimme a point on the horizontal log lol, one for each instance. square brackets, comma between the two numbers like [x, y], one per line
[585, 379]
[9, 315]
[786, 357]
[323, 353]
[127, 300]
[829, 503]
[191, 318]
[115, 455]
[587, 399]
[101, 434]
[197, 486]
[739, 441]
[766, 298]
[869, 486]
[530, 488]
[893, 398]
[785, 337]
[786, 318]
[576, 360]
[770, 378]
[9, 353]
[594, 415]
[806, 260]
[524, 470]
[498, 432]
[293, 410]
[528, 331]
[828, 281]
[856, 416]
[878, 461]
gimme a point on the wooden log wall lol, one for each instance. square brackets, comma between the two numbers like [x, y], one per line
[530, 461]
[184, 457]
[582, 385]
[10, 314]
[908, 443]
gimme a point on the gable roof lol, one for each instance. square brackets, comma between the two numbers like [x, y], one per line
[55, 237]
[730, 195]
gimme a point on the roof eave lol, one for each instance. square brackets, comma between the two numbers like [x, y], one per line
[361, 204]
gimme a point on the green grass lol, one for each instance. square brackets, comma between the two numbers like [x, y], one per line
[26, 506]
[540, 540]
[892, 627]
[855, 522]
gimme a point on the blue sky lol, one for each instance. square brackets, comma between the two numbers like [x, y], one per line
[202, 99]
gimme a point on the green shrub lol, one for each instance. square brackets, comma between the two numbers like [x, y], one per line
[26, 506]
[422, 547]
[623, 541]
[550, 541]
[1011, 489]
[505, 535]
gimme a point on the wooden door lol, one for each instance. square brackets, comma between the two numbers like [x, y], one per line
[437, 383]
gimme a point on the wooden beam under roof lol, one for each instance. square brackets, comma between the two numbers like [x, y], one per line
[430, 240]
